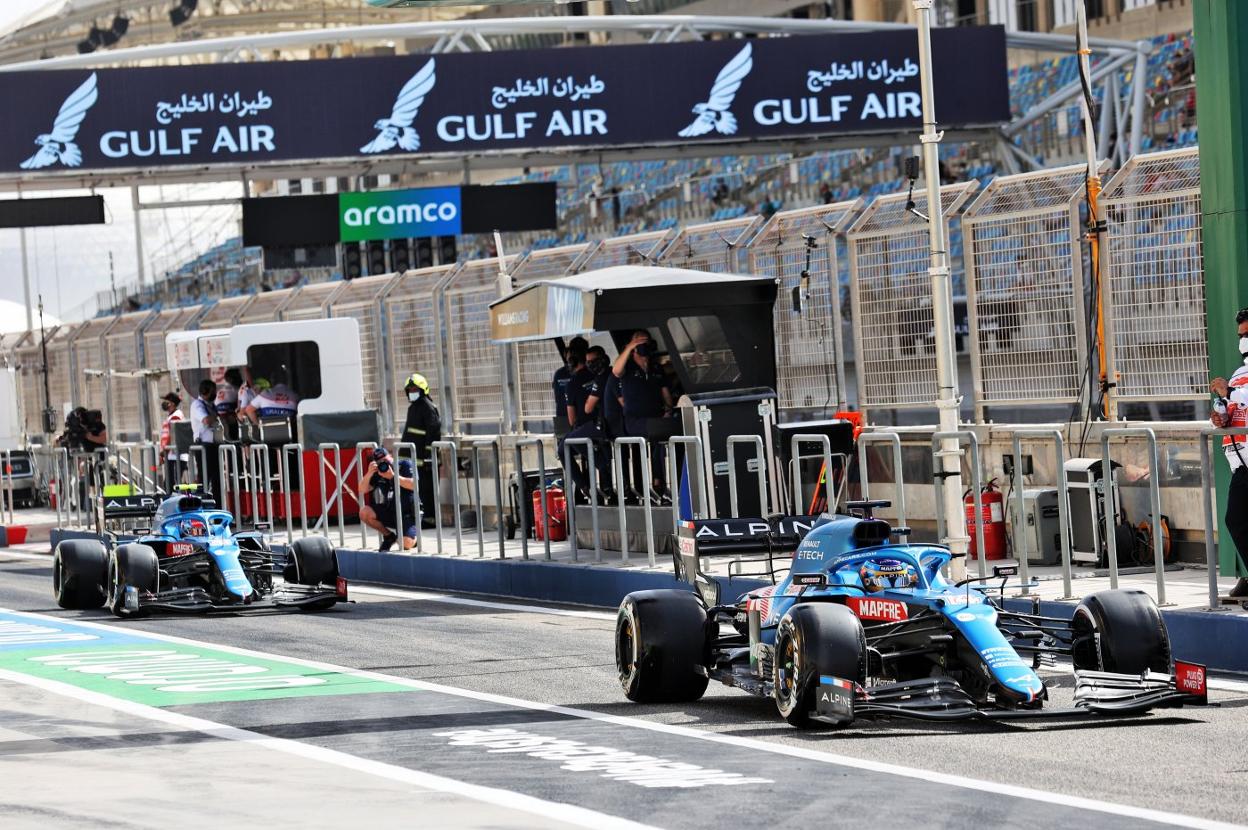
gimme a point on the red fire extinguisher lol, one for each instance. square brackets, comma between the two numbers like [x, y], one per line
[992, 503]
[556, 507]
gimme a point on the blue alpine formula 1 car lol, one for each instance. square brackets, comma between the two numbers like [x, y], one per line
[191, 560]
[865, 626]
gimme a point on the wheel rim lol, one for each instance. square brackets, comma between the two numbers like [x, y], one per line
[58, 577]
[626, 650]
[114, 590]
[788, 673]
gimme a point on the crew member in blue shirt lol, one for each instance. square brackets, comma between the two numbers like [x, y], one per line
[563, 376]
[645, 395]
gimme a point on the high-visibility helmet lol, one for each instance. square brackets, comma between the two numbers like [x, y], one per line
[881, 574]
[417, 380]
[193, 527]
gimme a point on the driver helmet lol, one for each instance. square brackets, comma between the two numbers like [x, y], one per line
[193, 527]
[880, 574]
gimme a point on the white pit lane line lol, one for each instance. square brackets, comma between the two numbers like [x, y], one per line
[598, 821]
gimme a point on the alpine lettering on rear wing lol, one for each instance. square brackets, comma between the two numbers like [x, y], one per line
[762, 543]
[138, 506]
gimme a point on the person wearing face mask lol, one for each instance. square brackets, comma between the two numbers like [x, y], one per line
[586, 395]
[168, 453]
[422, 428]
[1231, 410]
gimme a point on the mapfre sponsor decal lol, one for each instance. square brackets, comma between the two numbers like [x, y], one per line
[869, 608]
[180, 548]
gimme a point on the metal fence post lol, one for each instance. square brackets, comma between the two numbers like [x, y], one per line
[229, 451]
[645, 462]
[284, 467]
[569, 488]
[541, 483]
[825, 444]
[437, 507]
[1063, 516]
[760, 459]
[60, 460]
[898, 474]
[701, 509]
[262, 482]
[1154, 497]
[417, 519]
[972, 440]
[325, 500]
[6, 486]
[1209, 512]
[363, 527]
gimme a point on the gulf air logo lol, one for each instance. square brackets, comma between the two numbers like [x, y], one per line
[869, 608]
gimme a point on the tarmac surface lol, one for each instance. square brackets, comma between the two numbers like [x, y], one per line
[456, 711]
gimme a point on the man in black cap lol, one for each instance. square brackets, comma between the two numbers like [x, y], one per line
[563, 376]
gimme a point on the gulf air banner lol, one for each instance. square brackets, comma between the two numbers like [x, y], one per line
[452, 104]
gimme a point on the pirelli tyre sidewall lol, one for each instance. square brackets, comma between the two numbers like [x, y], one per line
[813, 639]
[1120, 631]
[131, 566]
[662, 644]
[312, 561]
[80, 574]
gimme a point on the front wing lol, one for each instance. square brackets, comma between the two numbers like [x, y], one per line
[942, 699]
[197, 600]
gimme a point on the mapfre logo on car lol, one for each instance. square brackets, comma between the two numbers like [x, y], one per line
[868, 608]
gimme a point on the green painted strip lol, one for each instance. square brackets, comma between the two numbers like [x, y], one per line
[160, 673]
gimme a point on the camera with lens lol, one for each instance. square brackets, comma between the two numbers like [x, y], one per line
[381, 459]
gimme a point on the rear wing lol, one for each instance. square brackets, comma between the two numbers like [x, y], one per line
[759, 547]
[129, 506]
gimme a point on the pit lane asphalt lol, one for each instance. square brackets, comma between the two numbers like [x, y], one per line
[1189, 761]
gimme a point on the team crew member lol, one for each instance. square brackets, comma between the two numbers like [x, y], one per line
[377, 498]
[227, 401]
[645, 395]
[574, 393]
[563, 375]
[586, 393]
[278, 401]
[203, 419]
[422, 428]
[1231, 410]
[169, 453]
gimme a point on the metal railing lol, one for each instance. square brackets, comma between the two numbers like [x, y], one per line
[7, 486]
[522, 507]
[1208, 514]
[700, 508]
[972, 440]
[760, 471]
[437, 492]
[616, 455]
[1063, 508]
[1154, 497]
[894, 439]
[492, 445]
[570, 490]
[795, 472]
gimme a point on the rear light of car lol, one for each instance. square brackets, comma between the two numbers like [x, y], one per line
[340, 587]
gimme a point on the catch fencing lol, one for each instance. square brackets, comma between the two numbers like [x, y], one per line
[1156, 314]
[1025, 289]
[891, 292]
[1026, 327]
[810, 355]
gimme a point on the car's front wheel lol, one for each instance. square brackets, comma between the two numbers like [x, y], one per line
[131, 568]
[814, 639]
[1120, 631]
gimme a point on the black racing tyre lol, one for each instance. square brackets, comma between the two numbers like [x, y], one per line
[1120, 631]
[662, 644]
[311, 561]
[79, 574]
[131, 566]
[815, 638]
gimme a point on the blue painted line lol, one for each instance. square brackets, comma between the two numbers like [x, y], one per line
[19, 632]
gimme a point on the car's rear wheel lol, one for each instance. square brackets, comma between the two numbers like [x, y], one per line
[131, 567]
[661, 646]
[1120, 631]
[79, 574]
[813, 639]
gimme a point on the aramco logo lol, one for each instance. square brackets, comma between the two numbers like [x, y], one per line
[400, 214]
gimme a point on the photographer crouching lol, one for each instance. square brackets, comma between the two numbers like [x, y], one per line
[377, 500]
